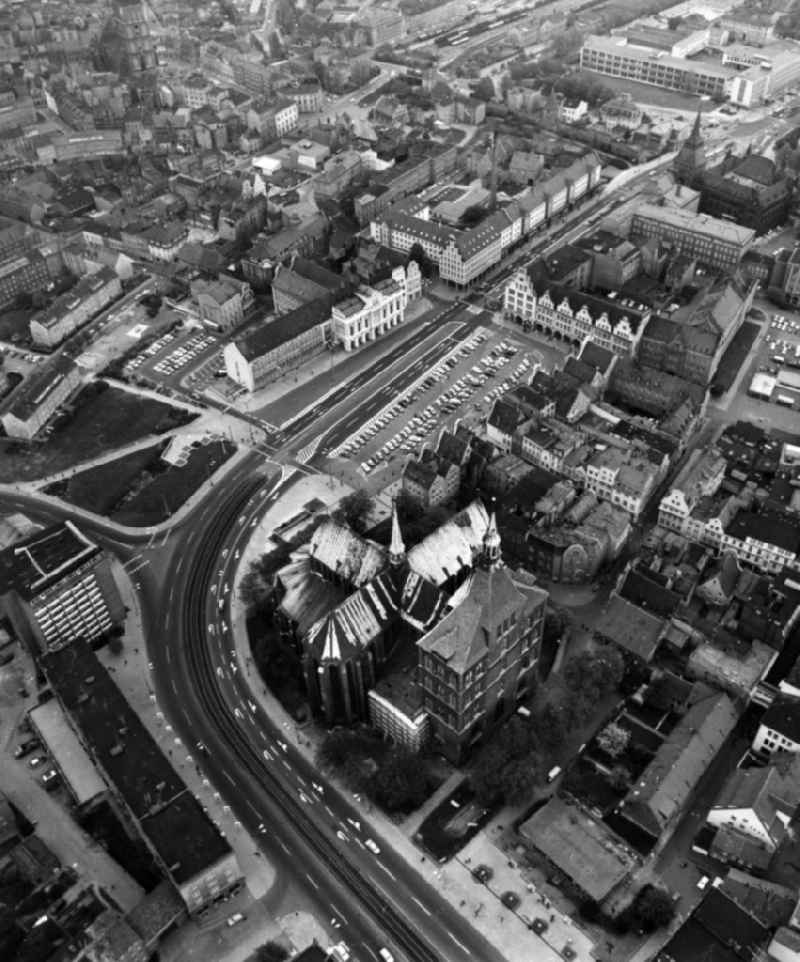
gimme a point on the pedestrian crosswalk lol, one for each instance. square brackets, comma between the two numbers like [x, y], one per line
[304, 455]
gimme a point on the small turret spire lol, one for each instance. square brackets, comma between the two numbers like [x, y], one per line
[397, 548]
[491, 542]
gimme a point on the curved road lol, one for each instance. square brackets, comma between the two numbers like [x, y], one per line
[310, 831]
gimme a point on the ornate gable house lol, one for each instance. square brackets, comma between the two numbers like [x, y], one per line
[613, 323]
[472, 626]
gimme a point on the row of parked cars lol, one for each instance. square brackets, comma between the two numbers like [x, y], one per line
[48, 775]
[422, 424]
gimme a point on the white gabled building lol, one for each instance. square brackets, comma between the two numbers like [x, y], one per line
[573, 315]
[369, 313]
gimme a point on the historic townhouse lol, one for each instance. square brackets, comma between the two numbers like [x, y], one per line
[614, 324]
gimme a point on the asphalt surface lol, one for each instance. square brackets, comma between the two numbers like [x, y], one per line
[376, 898]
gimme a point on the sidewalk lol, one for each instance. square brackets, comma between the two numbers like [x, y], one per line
[131, 673]
[454, 881]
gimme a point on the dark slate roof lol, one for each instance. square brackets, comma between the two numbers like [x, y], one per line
[649, 594]
[594, 303]
[783, 716]
[36, 563]
[265, 338]
[505, 417]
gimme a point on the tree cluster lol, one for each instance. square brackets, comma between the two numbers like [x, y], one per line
[508, 768]
[523, 749]
[354, 510]
[388, 774]
[416, 521]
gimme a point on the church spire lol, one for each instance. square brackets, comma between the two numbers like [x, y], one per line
[491, 543]
[397, 548]
[695, 134]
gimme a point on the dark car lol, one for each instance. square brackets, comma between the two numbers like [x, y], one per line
[25, 748]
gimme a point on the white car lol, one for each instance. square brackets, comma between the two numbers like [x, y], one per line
[234, 919]
[372, 846]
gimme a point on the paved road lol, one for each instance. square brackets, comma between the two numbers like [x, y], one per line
[376, 898]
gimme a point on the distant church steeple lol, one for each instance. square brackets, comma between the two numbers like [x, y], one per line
[397, 548]
[491, 544]
[691, 157]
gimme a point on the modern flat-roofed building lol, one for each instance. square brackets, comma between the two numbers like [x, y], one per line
[57, 586]
[719, 244]
[616, 57]
[153, 799]
[31, 405]
[78, 772]
[74, 308]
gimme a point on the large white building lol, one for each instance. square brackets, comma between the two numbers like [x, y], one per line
[369, 313]
[268, 351]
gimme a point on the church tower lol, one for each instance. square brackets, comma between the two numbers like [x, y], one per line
[397, 548]
[691, 159]
[491, 544]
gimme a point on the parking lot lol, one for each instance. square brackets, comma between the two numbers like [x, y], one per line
[777, 368]
[462, 385]
[174, 355]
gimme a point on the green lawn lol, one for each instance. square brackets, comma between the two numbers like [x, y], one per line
[103, 418]
[14, 321]
[140, 488]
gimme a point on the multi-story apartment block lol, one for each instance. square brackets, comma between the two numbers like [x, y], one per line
[463, 256]
[370, 312]
[74, 308]
[308, 97]
[22, 273]
[26, 411]
[164, 242]
[404, 178]
[616, 324]
[58, 586]
[719, 244]
[269, 350]
[779, 728]
[784, 279]
[196, 90]
[701, 479]
[223, 302]
[431, 481]
[623, 476]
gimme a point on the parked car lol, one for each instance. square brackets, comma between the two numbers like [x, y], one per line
[50, 779]
[25, 748]
[37, 761]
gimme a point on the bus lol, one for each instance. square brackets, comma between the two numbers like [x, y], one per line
[785, 400]
[778, 359]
